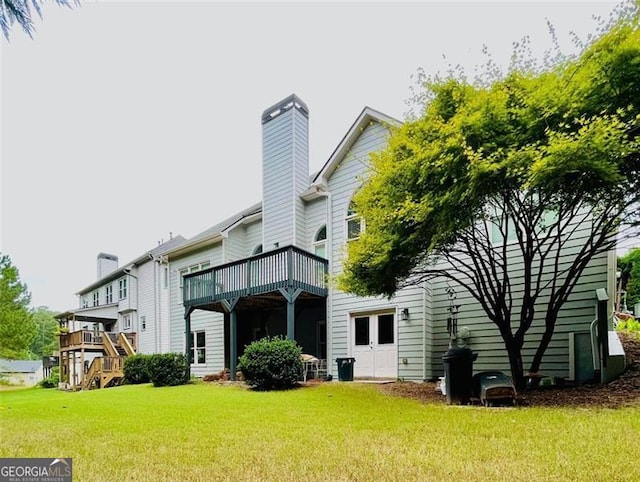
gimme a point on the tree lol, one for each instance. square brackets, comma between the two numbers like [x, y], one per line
[20, 11]
[629, 266]
[17, 328]
[505, 172]
[44, 342]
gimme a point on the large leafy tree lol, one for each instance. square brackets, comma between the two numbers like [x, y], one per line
[495, 179]
[17, 328]
[44, 342]
[21, 12]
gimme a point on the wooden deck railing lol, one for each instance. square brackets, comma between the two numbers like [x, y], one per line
[288, 267]
[91, 338]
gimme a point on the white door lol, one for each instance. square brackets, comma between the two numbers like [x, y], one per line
[374, 345]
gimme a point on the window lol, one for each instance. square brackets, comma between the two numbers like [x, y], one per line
[362, 330]
[143, 323]
[498, 230]
[257, 250]
[126, 322]
[198, 350]
[165, 279]
[85, 302]
[108, 294]
[320, 242]
[122, 288]
[354, 223]
[96, 298]
[385, 329]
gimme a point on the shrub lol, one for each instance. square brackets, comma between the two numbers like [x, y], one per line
[272, 364]
[630, 325]
[168, 369]
[136, 369]
[52, 380]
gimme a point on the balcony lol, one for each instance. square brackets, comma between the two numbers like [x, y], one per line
[91, 340]
[264, 274]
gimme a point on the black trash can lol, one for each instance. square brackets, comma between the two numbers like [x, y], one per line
[345, 369]
[458, 373]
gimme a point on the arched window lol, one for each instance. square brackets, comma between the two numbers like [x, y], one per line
[320, 242]
[354, 223]
[257, 250]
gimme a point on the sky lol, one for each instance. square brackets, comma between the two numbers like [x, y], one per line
[124, 123]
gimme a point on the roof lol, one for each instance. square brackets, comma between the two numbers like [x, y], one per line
[155, 253]
[215, 233]
[317, 180]
[20, 366]
[367, 116]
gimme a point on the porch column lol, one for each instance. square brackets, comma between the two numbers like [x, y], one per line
[291, 294]
[187, 339]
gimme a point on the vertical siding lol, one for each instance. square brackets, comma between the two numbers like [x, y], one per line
[285, 174]
[576, 315]
[206, 321]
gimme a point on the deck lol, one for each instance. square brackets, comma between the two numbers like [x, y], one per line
[263, 274]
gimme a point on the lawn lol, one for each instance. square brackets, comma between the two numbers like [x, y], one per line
[333, 431]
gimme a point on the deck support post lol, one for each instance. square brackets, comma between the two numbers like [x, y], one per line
[187, 339]
[230, 306]
[291, 294]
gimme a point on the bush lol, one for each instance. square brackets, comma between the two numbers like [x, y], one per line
[630, 325]
[136, 369]
[272, 364]
[52, 380]
[168, 369]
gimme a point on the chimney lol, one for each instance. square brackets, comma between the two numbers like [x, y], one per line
[107, 263]
[285, 172]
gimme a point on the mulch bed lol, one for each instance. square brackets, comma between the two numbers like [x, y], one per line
[620, 393]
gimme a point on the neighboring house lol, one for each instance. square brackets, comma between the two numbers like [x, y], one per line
[21, 372]
[265, 271]
[125, 311]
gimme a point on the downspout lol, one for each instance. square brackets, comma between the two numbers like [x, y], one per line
[329, 250]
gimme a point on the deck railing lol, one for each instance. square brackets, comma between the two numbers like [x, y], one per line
[288, 267]
[92, 338]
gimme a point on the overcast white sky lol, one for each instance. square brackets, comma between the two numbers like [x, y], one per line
[124, 121]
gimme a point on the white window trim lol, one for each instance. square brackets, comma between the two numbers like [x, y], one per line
[96, 298]
[320, 242]
[123, 286]
[126, 322]
[108, 294]
[190, 269]
[195, 347]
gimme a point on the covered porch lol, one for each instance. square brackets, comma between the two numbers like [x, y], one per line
[281, 292]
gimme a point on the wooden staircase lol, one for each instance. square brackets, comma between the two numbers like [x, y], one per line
[104, 371]
[108, 371]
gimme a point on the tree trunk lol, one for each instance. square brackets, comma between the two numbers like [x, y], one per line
[514, 350]
[550, 326]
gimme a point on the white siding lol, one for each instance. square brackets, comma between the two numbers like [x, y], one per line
[576, 315]
[147, 296]
[253, 237]
[410, 339]
[285, 175]
[209, 322]
[316, 214]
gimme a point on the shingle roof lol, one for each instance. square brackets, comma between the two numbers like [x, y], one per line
[20, 366]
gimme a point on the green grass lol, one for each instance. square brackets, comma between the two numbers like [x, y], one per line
[330, 432]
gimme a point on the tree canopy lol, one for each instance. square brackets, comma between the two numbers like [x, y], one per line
[17, 328]
[533, 155]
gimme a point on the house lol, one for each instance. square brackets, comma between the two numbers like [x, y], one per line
[27, 373]
[265, 271]
[125, 311]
